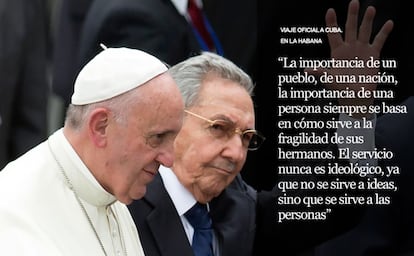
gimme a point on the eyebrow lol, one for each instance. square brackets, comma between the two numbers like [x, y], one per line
[227, 119]
[166, 132]
[222, 117]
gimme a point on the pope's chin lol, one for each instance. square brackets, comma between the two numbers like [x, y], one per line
[137, 193]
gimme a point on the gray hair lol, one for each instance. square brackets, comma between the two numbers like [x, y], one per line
[77, 115]
[190, 73]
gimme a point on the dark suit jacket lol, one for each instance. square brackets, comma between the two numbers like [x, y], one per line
[161, 231]
[245, 223]
[154, 26]
[23, 84]
[66, 46]
[236, 25]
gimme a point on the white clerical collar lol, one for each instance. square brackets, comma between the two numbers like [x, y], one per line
[181, 5]
[85, 184]
[182, 198]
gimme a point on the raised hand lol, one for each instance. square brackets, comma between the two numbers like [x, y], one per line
[356, 45]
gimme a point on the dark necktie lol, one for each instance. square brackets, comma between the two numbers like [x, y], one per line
[197, 20]
[203, 233]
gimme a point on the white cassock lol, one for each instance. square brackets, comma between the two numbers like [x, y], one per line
[40, 214]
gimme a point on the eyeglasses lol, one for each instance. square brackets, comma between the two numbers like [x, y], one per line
[251, 138]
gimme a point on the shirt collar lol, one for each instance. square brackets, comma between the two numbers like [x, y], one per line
[182, 198]
[181, 5]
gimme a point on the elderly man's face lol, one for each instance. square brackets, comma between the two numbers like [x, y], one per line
[138, 148]
[206, 163]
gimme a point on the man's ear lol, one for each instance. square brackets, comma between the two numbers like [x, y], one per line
[97, 126]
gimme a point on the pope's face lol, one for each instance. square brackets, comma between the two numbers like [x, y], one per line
[137, 148]
[204, 162]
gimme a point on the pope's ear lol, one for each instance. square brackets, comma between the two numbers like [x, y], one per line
[97, 126]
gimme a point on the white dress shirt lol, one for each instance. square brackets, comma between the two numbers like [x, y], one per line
[183, 200]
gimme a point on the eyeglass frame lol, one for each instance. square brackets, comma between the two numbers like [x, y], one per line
[237, 130]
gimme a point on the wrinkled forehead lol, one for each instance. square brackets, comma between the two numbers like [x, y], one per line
[224, 98]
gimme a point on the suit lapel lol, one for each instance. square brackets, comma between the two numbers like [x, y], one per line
[164, 222]
[233, 215]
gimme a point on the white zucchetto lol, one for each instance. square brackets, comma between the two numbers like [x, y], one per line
[114, 71]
